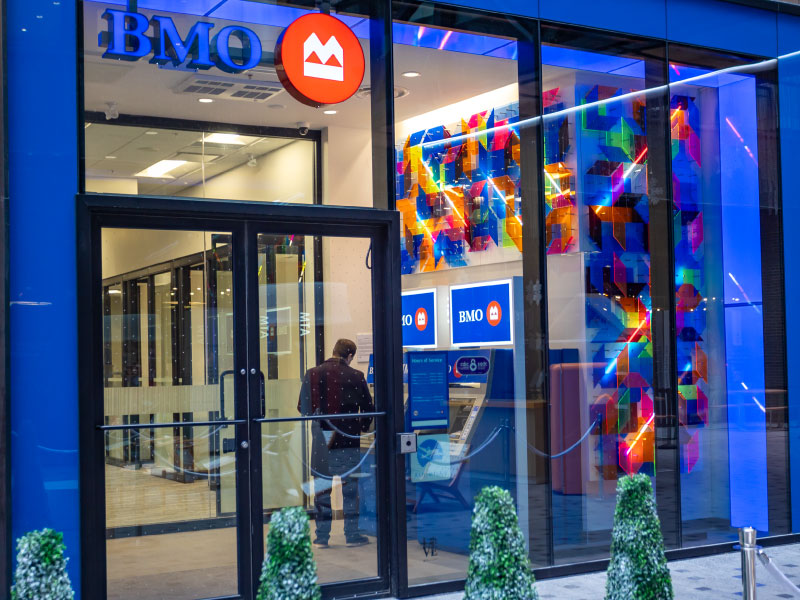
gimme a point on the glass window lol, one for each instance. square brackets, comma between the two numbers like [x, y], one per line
[177, 102]
[459, 193]
[601, 164]
[728, 296]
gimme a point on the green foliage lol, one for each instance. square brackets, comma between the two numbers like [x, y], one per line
[289, 572]
[498, 562]
[41, 568]
[638, 568]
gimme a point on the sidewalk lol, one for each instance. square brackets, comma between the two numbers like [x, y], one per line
[711, 577]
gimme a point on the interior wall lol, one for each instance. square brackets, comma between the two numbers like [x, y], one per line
[348, 293]
[283, 175]
[126, 250]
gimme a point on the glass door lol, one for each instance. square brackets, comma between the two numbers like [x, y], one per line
[175, 485]
[316, 435]
[233, 369]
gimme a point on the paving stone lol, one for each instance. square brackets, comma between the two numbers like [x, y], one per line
[720, 576]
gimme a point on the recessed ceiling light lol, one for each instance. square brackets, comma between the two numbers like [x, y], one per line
[276, 106]
[109, 157]
[411, 74]
[151, 132]
[230, 139]
[205, 100]
[161, 168]
[329, 112]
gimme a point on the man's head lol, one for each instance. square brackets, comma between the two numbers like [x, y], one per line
[345, 349]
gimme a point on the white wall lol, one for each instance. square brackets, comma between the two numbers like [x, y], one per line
[283, 175]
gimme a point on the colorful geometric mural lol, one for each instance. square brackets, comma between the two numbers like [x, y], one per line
[690, 277]
[458, 191]
[561, 214]
[612, 159]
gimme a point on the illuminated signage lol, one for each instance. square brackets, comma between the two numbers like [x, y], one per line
[481, 314]
[318, 58]
[127, 39]
[419, 319]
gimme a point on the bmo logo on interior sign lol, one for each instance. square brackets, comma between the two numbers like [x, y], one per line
[419, 319]
[481, 314]
[319, 60]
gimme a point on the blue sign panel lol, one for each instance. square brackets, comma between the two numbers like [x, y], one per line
[371, 369]
[419, 319]
[481, 314]
[461, 366]
[428, 392]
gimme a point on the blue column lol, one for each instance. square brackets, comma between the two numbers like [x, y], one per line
[43, 167]
[789, 95]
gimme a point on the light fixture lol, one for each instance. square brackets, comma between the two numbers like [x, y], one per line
[161, 168]
[329, 112]
[109, 157]
[114, 291]
[205, 100]
[150, 132]
[411, 74]
[229, 139]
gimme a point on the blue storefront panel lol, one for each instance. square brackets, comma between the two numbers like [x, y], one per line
[43, 162]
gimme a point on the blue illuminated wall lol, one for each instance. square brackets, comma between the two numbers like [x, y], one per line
[43, 165]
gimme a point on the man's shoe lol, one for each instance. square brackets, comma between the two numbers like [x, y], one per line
[356, 540]
[320, 544]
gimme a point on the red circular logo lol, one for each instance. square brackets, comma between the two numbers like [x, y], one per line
[494, 313]
[421, 319]
[319, 60]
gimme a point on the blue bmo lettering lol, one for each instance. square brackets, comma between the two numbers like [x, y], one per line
[127, 39]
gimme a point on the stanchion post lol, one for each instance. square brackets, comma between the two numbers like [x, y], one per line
[747, 539]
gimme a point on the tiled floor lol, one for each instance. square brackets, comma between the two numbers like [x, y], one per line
[713, 578]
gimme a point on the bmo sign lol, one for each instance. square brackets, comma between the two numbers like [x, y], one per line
[419, 319]
[481, 314]
[318, 59]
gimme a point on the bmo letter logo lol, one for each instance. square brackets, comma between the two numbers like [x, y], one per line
[481, 314]
[419, 319]
[319, 60]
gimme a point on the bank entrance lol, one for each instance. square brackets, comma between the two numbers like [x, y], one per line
[199, 323]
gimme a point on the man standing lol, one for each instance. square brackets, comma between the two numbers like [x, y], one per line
[336, 388]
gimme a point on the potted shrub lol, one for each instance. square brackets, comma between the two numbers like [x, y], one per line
[499, 568]
[638, 568]
[41, 572]
[289, 572]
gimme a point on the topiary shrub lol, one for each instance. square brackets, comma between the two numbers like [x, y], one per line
[638, 568]
[289, 572]
[41, 568]
[499, 568]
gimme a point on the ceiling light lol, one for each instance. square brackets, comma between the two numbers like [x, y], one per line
[329, 112]
[230, 139]
[109, 157]
[411, 74]
[161, 168]
[205, 100]
[151, 132]
[114, 291]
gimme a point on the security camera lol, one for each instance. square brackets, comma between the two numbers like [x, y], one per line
[251, 161]
[303, 127]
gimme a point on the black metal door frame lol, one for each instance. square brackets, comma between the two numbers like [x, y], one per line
[244, 220]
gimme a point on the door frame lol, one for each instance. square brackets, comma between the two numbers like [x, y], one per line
[95, 211]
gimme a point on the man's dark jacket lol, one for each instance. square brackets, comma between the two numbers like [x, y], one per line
[335, 388]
